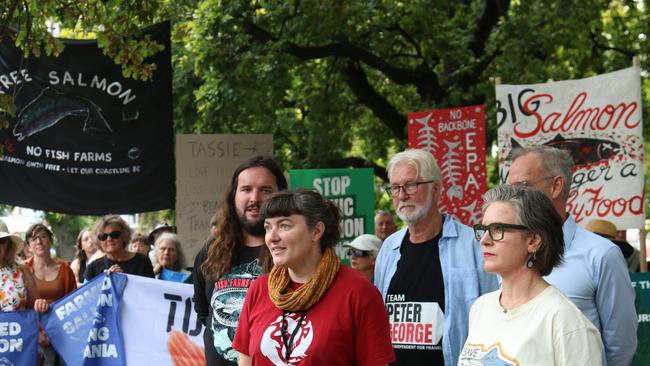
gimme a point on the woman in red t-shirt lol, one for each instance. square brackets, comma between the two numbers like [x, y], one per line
[310, 310]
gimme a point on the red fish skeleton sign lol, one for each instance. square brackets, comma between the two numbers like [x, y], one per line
[598, 120]
[456, 138]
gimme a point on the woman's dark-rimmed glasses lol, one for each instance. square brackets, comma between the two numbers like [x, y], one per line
[496, 230]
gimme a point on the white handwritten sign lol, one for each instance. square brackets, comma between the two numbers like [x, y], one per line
[599, 121]
[204, 167]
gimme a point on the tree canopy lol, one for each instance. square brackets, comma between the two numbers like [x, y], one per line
[334, 81]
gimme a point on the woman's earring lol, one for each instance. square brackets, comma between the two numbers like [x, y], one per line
[531, 260]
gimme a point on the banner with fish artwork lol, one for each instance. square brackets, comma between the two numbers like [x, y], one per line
[85, 139]
[124, 319]
[598, 120]
[456, 138]
[160, 325]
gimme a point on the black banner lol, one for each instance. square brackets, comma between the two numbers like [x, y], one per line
[85, 139]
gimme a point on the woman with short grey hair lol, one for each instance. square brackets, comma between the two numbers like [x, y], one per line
[527, 321]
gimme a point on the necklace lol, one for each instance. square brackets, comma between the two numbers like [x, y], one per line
[514, 305]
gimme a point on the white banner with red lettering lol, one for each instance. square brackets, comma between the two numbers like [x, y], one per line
[159, 325]
[599, 121]
[456, 138]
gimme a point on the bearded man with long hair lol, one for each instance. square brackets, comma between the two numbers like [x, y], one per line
[234, 256]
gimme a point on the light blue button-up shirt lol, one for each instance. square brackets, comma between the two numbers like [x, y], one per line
[595, 277]
[461, 260]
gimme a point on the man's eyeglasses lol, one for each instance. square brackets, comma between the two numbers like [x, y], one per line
[357, 253]
[408, 188]
[496, 230]
[533, 183]
[113, 234]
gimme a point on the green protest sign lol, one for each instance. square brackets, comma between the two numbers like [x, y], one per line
[641, 283]
[353, 192]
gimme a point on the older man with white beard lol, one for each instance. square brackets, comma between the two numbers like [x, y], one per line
[430, 272]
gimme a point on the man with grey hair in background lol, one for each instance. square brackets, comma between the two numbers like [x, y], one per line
[384, 224]
[594, 273]
[430, 272]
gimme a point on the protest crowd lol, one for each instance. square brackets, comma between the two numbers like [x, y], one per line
[288, 269]
[525, 286]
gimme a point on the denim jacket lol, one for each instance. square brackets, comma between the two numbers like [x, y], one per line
[464, 279]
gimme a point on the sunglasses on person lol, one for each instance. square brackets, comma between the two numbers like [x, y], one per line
[113, 234]
[357, 253]
[4, 240]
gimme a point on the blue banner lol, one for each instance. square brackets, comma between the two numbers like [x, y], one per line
[84, 326]
[169, 275]
[18, 337]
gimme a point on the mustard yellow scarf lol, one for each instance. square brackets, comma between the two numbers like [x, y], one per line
[286, 298]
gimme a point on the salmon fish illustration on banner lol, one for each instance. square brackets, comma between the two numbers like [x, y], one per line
[51, 106]
[598, 120]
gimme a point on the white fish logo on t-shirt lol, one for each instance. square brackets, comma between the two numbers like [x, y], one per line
[274, 348]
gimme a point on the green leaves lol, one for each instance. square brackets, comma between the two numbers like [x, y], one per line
[115, 23]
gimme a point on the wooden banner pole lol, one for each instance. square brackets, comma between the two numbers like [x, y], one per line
[642, 250]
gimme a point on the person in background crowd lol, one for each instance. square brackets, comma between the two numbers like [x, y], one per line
[114, 234]
[168, 253]
[159, 230]
[17, 286]
[526, 322]
[53, 277]
[310, 310]
[140, 244]
[18, 289]
[594, 273]
[24, 253]
[608, 230]
[86, 248]
[434, 265]
[362, 252]
[384, 225]
[225, 266]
